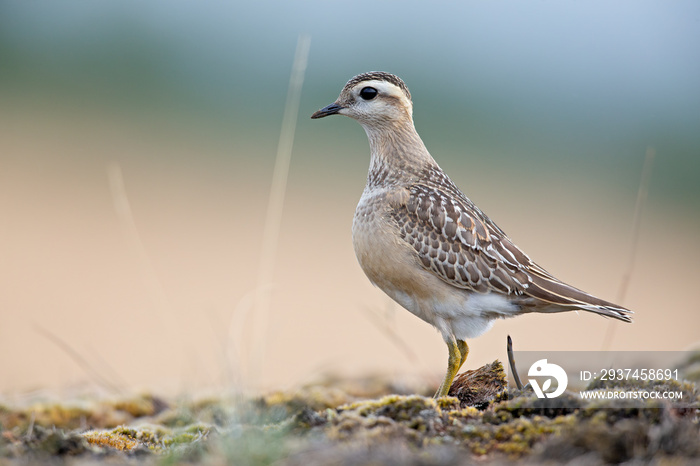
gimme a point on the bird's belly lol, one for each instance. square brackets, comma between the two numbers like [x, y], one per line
[383, 255]
[392, 265]
[388, 261]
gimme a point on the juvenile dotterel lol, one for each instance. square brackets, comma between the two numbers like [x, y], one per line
[426, 245]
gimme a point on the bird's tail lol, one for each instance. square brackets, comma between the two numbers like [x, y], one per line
[565, 297]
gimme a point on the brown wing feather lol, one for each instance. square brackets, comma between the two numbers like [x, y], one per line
[561, 294]
[462, 246]
[458, 246]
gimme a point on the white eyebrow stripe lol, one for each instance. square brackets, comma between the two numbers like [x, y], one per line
[386, 88]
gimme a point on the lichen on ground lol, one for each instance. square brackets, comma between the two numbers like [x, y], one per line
[360, 422]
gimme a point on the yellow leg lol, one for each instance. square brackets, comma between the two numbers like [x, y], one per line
[464, 351]
[458, 351]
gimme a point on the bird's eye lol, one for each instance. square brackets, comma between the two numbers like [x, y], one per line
[368, 93]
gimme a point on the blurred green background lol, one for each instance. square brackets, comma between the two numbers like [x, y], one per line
[541, 112]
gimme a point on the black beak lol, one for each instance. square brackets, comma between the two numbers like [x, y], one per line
[331, 109]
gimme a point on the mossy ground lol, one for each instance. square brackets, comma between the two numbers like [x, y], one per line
[354, 423]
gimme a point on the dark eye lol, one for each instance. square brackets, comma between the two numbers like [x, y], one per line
[368, 93]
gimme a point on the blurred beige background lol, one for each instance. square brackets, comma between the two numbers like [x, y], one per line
[161, 299]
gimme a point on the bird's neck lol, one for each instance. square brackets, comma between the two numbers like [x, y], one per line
[397, 154]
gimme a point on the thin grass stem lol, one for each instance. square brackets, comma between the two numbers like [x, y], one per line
[273, 217]
[642, 194]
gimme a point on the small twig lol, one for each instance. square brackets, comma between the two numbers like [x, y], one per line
[511, 363]
[642, 194]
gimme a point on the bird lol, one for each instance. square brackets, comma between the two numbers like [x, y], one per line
[424, 243]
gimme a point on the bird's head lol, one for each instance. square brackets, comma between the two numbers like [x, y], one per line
[373, 99]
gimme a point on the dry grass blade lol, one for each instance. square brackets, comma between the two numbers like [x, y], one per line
[642, 194]
[79, 360]
[273, 218]
[388, 331]
[122, 206]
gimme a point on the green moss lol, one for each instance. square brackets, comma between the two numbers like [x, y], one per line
[151, 437]
[189, 434]
[461, 416]
[524, 403]
[337, 428]
[141, 406]
[397, 407]
[515, 438]
[112, 440]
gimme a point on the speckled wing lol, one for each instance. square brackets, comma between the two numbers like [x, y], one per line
[457, 245]
[461, 245]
